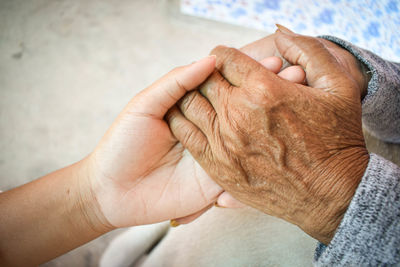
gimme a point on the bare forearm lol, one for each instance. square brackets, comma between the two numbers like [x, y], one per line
[48, 217]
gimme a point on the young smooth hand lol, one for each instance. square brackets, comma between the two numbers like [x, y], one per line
[138, 172]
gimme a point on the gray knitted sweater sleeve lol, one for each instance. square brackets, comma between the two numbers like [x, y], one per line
[369, 233]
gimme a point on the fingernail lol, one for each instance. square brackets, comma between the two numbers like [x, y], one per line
[174, 223]
[218, 206]
[284, 30]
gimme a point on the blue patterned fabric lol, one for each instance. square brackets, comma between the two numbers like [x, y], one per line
[374, 25]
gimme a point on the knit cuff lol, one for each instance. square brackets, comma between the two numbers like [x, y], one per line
[369, 233]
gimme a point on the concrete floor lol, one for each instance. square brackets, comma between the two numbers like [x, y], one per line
[67, 68]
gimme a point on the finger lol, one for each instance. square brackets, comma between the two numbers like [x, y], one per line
[217, 90]
[321, 67]
[190, 218]
[293, 74]
[199, 111]
[262, 48]
[238, 68]
[226, 200]
[273, 64]
[157, 99]
[188, 134]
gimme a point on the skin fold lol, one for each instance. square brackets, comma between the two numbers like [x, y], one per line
[290, 150]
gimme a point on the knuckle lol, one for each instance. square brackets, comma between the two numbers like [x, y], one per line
[218, 50]
[180, 86]
[230, 54]
[176, 126]
[223, 53]
[188, 137]
[188, 101]
[209, 88]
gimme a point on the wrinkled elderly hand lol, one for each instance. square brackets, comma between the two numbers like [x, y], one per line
[292, 151]
[265, 47]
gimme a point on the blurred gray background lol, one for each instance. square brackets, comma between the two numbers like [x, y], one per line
[68, 67]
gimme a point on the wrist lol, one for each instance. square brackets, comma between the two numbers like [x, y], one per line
[346, 173]
[86, 201]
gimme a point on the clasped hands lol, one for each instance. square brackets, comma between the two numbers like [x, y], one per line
[287, 146]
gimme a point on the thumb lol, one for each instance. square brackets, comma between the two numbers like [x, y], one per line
[322, 69]
[159, 97]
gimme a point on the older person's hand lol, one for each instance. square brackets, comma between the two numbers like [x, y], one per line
[293, 151]
[265, 47]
